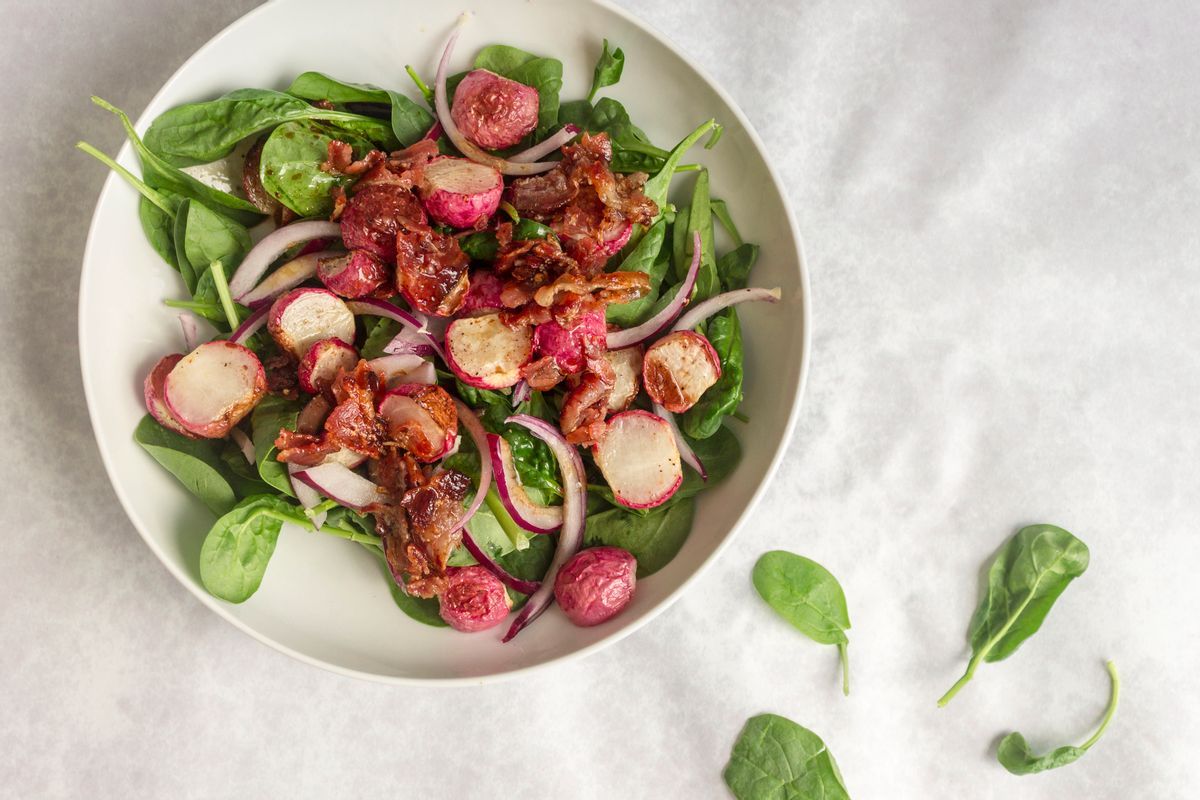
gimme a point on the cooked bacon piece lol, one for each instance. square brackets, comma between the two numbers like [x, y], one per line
[431, 270]
[530, 263]
[530, 314]
[252, 185]
[421, 419]
[351, 425]
[607, 287]
[583, 410]
[338, 195]
[312, 417]
[393, 472]
[543, 374]
[323, 103]
[539, 196]
[282, 378]
[434, 513]
[375, 214]
[415, 155]
[341, 159]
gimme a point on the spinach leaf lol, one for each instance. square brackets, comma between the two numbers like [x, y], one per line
[734, 267]
[720, 453]
[380, 331]
[532, 458]
[162, 175]
[632, 149]
[656, 188]
[644, 257]
[722, 399]
[269, 416]
[1028, 575]
[698, 220]
[543, 74]
[196, 463]
[776, 759]
[290, 166]
[425, 610]
[409, 121]
[202, 237]
[607, 71]
[178, 240]
[241, 474]
[483, 246]
[1016, 757]
[653, 538]
[198, 133]
[720, 210]
[808, 596]
[236, 551]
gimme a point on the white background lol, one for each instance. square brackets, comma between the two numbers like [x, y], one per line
[1001, 205]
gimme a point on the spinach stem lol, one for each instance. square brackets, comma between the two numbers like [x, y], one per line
[424, 89]
[191, 305]
[970, 673]
[154, 197]
[1112, 705]
[842, 646]
[218, 273]
[511, 529]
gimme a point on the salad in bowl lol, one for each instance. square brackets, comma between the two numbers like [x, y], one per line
[468, 334]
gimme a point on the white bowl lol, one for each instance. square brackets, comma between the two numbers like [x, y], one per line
[325, 601]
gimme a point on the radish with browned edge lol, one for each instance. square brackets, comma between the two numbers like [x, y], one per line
[321, 363]
[420, 418]
[213, 387]
[354, 274]
[303, 317]
[678, 368]
[627, 371]
[639, 459]
[485, 353]
[460, 193]
[529, 515]
[156, 402]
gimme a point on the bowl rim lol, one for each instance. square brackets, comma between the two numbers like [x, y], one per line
[755, 498]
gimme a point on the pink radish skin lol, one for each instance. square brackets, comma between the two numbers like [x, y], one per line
[353, 275]
[402, 407]
[303, 317]
[321, 363]
[484, 295]
[156, 402]
[528, 514]
[460, 193]
[614, 245]
[487, 354]
[214, 387]
[596, 585]
[566, 345]
[492, 111]
[678, 369]
[474, 600]
[627, 367]
[639, 459]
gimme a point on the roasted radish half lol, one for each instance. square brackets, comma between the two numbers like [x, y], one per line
[485, 353]
[355, 274]
[494, 112]
[484, 295]
[627, 369]
[420, 418]
[302, 317]
[460, 193]
[639, 459]
[678, 368]
[568, 345]
[213, 387]
[156, 402]
[528, 514]
[321, 363]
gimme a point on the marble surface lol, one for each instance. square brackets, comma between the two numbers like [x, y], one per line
[1000, 204]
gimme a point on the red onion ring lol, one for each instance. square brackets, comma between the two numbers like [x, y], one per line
[244, 444]
[250, 325]
[521, 392]
[686, 453]
[660, 321]
[712, 305]
[341, 484]
[485, 561]
[468, 420]
[273, 245]
[382, 308]
[547, 145]
[288, 276]
[308, 496]
[191, 332]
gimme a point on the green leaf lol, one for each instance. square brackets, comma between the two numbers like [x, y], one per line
[269, 416]
[632, 149]
[409, 121]
[543, 74]
[380, 331]
[734, 267]
[1027, 576]
[159, 228]
[196, 463]
[241, 474]
[290, 166]
[644, 257]
[720, 210]
[1017, 757]
[654, 538]
[720, 454]
[236, 551]
[809, 597]
[776, 759]
[656, 188]
[425, 610]
[483, 246]
[699, 220]
[722, 399]
[607, 71]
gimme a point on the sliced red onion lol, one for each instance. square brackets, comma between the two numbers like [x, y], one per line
[485, 561]
[382, 308]
[405, 368]
[660, 321]
[574, 515]
[686, 453]
[526, 513]
[250, 325]
[409, 342]
[547, 145]
[288, 276]
[191, 332]
[467, 418]
[712, 305]
[273, 245]
[521, 393]
[338, 482]
[308, 496]
[442, 106]
[434, 133]
[244, 444]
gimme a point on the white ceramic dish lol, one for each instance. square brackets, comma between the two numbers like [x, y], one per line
[323, 601]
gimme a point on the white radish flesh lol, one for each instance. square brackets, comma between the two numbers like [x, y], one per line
[627, 369]
[639, 459]
[321, 363]
[485, 353]
[678, 369]
[303, 317]
[212, 388]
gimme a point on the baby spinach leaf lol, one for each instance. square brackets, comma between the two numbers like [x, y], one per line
[236, 551]
[179, 239]
[198, 133]
[720, 453]
[379, 332]
[206, 237]
[409, 121]
[632, 149]
[1028, 575]
[425, 610]
[608, 70]
[776, 759]
[700, 220]
[720, 210]
[734, 267]
[158, 226]
[196, 463]
[808, 596]
[644, 257]
[543, 74]
[241, 474]
[722, 399]
[269, 416]
[483, 246]
[1016, 756]
[654, 538]
[656, 188]
[290, 166]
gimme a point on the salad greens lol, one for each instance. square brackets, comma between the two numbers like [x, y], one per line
[776, 759]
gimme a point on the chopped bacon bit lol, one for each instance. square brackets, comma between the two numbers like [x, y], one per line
[584, 408]
[608, 287]
[352, 424]
[434, 511]
[415, 155]
[341, 159]
[282, 377]
[431, 270]
[323, 103]
[543, 375]
[339, 203]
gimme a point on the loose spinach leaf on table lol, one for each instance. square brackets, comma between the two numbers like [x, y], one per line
[644, 257]
[809, 597]
[543, 74]
[776, 759]
[409, 121]
[290, 166]
[1027, 576]
[1017, 757]
[236, 551]
[196, 463]
[653, 538]
[269, 416]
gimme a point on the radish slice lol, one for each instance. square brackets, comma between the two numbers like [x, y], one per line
[484, 352]
[382, 308]
[191, 331]
[627, 369]
[354, 274]
[467, 418]
[574, 515]
[639, 458]
[528, 514]
[213, 387]
[244, 444]
[460, 193]
[273, 245]
[521, 393]
[712, 305]
[321, 363]
[679, 368]
[442, 106]
[485, 561]
[303, 317]
[421, 419]
[288, 276]
[659, 322]
[339, 483]
[308, 496]
[547, 145]
[250, 325]
[156, 402]
[403, 369]
[686, 453]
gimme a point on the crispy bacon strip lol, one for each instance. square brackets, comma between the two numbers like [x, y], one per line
[341, 159]
[352, 424]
